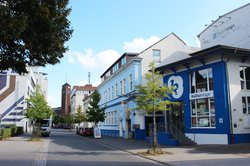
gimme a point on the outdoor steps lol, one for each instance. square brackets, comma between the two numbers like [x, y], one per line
[185, 141]
[167, 139]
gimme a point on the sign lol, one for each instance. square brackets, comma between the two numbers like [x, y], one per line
[177, 83]
[201, 95]
[97, 132]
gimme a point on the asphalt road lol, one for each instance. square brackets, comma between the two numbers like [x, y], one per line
[67, 148]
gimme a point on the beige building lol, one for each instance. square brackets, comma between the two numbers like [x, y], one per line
[78, 93]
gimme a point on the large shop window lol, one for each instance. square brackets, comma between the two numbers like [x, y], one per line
[203, 113]
[202, 99]
[202, 81]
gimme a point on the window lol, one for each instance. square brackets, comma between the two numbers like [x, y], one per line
[121, 88]
[245, 78]
[115, 68]
[113, 92]
[124, 61]
[109, 94]
[202, 107]
[203, 113]
[107, 74]
[116, 90]
[157, 56]
[246, 104]
[201, 81]
[124, 86]
[130, 82]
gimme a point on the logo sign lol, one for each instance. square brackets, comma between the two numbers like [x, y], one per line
[177, 83]
[201, 95]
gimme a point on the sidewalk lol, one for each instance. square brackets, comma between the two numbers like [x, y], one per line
[182, 155]
[20, 151]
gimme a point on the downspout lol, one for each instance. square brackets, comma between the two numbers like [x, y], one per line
[229, 102]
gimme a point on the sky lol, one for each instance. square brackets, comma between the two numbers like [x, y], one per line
[105, 29]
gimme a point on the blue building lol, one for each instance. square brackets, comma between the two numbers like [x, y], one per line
[117, 88]
[213, 89]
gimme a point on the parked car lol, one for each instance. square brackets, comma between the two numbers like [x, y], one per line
[87, 132]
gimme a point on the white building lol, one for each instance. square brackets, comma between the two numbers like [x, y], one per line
[232, 29]
[14, 90]
[78, 93]
[161, 50]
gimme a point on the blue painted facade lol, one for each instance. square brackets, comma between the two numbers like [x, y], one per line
[116, 89]
[228, 126]
[220, 96]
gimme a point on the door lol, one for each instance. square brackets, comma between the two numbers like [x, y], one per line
[177, 116]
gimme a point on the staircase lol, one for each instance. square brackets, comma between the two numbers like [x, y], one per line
[183, 140]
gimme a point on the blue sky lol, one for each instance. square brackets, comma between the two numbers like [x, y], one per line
[105, 29]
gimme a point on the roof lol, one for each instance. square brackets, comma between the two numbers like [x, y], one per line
[162, 40]
[87, 87]
[123, 55]
[222, 17]
[176, 56]
[212, 51]
[66, 84]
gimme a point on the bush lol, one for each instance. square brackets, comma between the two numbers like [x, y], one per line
[12, 131]
[19, 130]
[6, 132]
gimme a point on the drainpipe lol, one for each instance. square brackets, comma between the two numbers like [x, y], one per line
[229, 101]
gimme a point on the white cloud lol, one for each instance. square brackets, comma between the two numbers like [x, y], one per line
[89, 60]
[139, 44]
[54, 101]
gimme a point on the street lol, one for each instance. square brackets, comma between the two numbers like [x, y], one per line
[64, 147]
[67, 148]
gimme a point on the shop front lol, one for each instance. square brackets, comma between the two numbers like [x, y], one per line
[208, 94]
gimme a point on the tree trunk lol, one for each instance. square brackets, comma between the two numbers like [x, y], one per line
[154, 146]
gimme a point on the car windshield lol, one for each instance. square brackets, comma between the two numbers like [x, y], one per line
[45, 123]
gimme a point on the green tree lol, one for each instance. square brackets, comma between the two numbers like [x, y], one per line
[80, 115]
[37, 111]
[94, 113]
[33, 32]
[69, 120]
[152, 98]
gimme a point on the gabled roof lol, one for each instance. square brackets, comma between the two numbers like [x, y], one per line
[162, 40]
[222, 17]
[221, 50]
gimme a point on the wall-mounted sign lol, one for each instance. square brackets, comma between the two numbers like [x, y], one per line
[177, 83]
[201, 95]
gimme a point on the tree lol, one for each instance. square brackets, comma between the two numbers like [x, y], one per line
[33, 33]
[80, 115]
[69, 119]
[94, 113]
[37, 111]
[152, 98]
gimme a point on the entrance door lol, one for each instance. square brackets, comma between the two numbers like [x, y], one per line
[176, 116]
[128, 128]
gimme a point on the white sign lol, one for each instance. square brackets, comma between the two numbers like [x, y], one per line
[201, 95]
[97, 132]
[220, 120]
[177, 83]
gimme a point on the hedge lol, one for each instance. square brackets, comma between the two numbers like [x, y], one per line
[12, 131]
